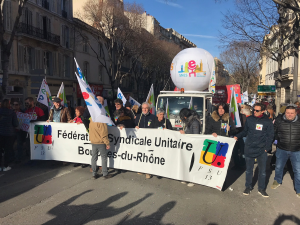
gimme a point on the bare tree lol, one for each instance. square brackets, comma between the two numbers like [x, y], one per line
[115, 27]
[7, 38]
[241, 63]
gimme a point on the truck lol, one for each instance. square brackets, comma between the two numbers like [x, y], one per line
[201, 103]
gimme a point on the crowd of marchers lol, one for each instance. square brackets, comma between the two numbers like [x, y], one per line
[259, 131]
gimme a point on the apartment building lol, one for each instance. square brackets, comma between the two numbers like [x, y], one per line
[43, 47]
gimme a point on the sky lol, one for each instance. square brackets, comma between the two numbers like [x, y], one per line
[198, 20]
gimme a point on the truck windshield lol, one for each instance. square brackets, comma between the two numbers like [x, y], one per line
[176, 103]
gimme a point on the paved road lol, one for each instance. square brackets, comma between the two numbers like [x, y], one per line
[49, 193]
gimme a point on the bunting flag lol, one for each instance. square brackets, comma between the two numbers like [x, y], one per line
[167, 113]
[44, 96]
[233, 110]
[191, 103]
[62, 95]
[81, 76]
[212, 86]
[134, 102]
[106, 108]
[150, 100]
[95, 108]
[121, 96]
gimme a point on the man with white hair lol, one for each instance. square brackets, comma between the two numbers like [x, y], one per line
[144, 120]
[161, 122]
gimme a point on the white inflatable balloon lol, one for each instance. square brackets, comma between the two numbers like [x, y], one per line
[192, 69]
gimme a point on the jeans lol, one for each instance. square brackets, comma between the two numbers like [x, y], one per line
[281, 158]
[21, 138]
[6, 147]
[261, 161]
[96, 148]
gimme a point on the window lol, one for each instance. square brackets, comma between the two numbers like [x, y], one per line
[27, 17]
[21, 57]
[58, 7]
[100, 69]
[86, 69]
[38, 59]
[101, 50]
[31, 58]
[66, 66]
[85, 45]
[48, 63]
[7, 15]
[65, 36]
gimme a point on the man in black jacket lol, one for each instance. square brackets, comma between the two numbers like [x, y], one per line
[260, 133]
[287, 134]
[144, 119]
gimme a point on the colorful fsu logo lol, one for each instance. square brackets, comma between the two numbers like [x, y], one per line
[192, 69]
[43, 134]
[213, 153]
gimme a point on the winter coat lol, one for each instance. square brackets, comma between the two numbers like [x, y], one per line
[260, 134]
[64, 115]
[192, 125]
[287, 133]
[165, 123]
[8, 122]
[144, 121]
[98, 133]
[218, 124]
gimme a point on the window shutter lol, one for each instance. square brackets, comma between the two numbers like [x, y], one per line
[60, 64]
[37, 15]
[50, 64]
[59, 7]
[63, 35]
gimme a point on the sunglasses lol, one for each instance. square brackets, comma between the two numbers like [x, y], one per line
[257, 110]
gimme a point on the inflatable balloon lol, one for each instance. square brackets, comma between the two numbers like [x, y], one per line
[192, 69]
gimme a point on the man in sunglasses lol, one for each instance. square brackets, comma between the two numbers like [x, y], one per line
[260, 133]
[287, 134]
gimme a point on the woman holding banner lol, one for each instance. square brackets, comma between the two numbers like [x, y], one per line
[8, 123]
[192, 125]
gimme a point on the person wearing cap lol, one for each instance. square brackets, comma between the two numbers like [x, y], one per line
[59, 113]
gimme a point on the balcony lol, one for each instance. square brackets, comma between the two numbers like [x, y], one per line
[38, 33]
[45, 4]
[286, 73]
[64, 14]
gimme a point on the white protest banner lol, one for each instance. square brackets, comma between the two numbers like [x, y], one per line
[245, 97]
[200, 159]
[24, 120]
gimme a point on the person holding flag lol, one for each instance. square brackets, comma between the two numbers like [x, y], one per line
[220, 123]
[59, 113]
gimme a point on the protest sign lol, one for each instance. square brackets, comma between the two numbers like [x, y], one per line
[24, 120]
[201, 159]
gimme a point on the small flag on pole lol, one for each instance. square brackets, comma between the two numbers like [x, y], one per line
[134, 102]
[167, 113]
[44, 96]
[61, 94]
[150, 100]
[191, 103]
[121, 96]
[106, 108]
[233, 110]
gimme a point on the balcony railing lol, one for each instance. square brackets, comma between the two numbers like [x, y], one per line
[38, 33]
[45, 4]
[64, 14]
[285, 73]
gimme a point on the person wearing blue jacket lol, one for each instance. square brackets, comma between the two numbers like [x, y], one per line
[260, 133]
[8, 124]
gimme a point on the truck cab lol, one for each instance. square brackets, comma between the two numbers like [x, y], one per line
[201, 103]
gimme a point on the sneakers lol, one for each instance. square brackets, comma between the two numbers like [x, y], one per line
[191, 185]
[247, 191]
[6, 169]
[298, 195]
[148, 176]
[108, 176]
[263, 193]
[275, 185]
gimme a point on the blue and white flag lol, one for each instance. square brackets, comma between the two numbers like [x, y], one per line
[81, 76]
[134, 102]
[96, 109]
[121, 96]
